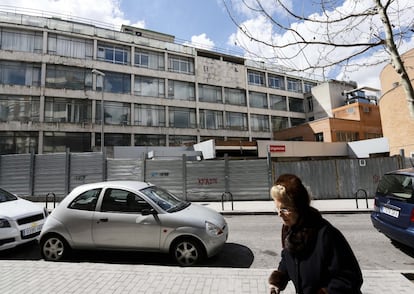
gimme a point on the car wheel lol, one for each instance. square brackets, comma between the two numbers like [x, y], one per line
[54, 248]
[187, 252]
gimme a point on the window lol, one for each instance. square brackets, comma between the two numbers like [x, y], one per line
[114, 54]
[236, 121]
[276, 82]
[70, 47]
[207, 93]
[344, 136]
[294, 85]
[180, 64]
[181, 90]
[117, 83]
[400, 186]
[112, 139]
[66, 77]
[277, 102]
[148, 86]
[310, 104]
[182, 117]
[19, 73]
[307, 87]
[259, 123]
[149, 59]
[182, 140]
[86, 201]
[149, 115]
[235, 96]
[211, 119]
[149, 140]
[60, 141]
[297, 121]
[258, 100]
[17, 108]
[319, 137]
[19, 40]
[18, 142]
[116, 113]
[117, 200]
[67, 110]
[296, 105]
[256, 78]
[279, 123]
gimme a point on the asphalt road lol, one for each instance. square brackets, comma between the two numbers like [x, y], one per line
[254, 242]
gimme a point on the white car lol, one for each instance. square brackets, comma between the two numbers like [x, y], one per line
[132, 215]
[20, 220]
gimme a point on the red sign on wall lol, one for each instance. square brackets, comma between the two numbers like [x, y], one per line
[277, 148]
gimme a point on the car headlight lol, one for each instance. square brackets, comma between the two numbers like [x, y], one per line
[4, 223]
[213, 230]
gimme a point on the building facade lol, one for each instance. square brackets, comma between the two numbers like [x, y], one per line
[343, 113]
[60, 79]
[397, 123]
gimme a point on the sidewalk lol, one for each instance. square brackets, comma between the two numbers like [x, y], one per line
[268, 207]
[40, 277]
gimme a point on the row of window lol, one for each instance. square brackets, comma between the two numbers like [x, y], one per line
[66, 77]
[258, 78]
[25, 142]
[61, 45]
[67, 110]
[32, 41]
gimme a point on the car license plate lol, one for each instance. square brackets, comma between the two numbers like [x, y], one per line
[391, 212]
[31, 230]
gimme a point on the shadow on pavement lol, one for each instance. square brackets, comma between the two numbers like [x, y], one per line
[232, 255]
[403, 248]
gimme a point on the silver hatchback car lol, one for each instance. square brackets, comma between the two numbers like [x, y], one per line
[132, 215]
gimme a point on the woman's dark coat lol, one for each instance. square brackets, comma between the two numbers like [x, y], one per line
[317, 258]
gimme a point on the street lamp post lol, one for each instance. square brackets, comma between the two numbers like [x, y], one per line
[99, 73]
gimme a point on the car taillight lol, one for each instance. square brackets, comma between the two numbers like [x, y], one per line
[412, 215]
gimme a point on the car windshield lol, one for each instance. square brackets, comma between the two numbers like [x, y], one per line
[6, 196]
[400, 186]
[165, 199]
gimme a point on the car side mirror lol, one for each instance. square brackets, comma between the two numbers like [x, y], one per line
[148, 211]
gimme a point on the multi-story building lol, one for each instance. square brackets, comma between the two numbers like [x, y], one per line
[59, 78]
[397, 120]
[343, 113]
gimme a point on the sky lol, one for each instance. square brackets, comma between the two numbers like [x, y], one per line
[207, 24]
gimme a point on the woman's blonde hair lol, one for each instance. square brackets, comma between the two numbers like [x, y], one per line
[290, 191]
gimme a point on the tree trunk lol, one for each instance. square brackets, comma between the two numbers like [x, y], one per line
[396, 58]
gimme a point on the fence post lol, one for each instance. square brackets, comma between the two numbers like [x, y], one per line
[184, 165]
[269, 172]
[67, 172]
[32, 172]
[104, 175]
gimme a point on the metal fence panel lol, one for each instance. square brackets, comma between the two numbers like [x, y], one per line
[319, 177]
[205, 180]
[340, 178]
[168, 174]
[15, 173]
[125, 169]
[248, 179]
[85, 168]
[362, 175]
[50, 174]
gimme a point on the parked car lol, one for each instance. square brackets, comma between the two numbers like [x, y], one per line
[20, 220]
[132, 215]
[393, 213]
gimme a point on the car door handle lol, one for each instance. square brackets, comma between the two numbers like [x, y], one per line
[104, 220]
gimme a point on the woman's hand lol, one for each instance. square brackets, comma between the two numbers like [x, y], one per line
[274, 289]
